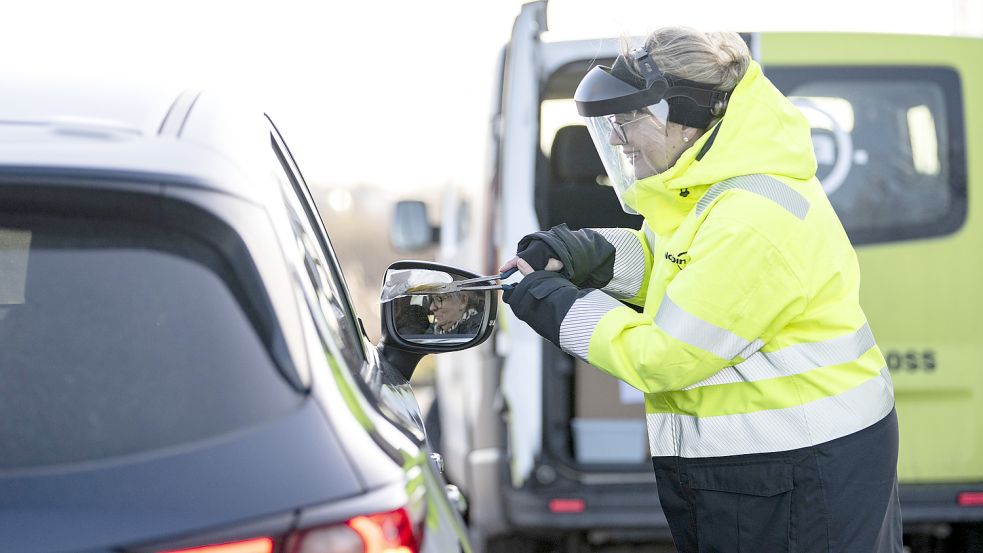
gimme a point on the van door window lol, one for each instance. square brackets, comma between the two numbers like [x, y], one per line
[889, 144]
[571, 184]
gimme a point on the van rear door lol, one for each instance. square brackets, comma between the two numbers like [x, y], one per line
[517, 161]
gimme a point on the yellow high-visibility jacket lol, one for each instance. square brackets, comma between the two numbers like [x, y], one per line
[752, 338]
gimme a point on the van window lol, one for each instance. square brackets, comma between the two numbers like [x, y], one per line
[889, 143]
[118, 338]
[571, 184]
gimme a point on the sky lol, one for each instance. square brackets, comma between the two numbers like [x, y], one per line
[392, 93]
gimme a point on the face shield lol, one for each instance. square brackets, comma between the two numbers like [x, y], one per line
[632, 146]
[627, 114]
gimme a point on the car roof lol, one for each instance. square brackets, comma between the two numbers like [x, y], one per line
[145, 132]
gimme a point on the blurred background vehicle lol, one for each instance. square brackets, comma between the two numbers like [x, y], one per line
[548, 449]
[182, 365]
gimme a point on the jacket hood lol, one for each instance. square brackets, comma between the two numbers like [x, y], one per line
[761, 132]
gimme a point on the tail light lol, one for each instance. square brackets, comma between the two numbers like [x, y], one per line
[571, 505]
[970, 499]
[391, 532]
[258, 545]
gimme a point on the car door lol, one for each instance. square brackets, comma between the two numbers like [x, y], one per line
[897, 134]
[445, 529]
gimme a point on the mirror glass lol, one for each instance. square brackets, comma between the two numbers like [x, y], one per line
[408, 282]
[427, 309]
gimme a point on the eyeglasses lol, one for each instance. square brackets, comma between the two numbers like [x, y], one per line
[439, 300]
[619, 128]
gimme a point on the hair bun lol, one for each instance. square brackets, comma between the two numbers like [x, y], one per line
[716, 58]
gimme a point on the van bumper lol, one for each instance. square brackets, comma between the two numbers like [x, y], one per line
[623, 511]
[635, 511]
[928, 503]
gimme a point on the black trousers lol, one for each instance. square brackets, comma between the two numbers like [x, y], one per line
[840, 496]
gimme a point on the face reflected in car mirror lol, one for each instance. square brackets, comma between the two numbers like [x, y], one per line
[424, 311]
[452, 318]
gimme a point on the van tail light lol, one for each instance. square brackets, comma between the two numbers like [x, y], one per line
[391, 532]
[970, 499]
[570, 505]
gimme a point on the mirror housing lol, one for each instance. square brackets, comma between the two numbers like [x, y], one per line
[403, 350]
[410, 229]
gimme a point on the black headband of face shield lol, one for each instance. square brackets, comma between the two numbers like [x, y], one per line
[691, 103]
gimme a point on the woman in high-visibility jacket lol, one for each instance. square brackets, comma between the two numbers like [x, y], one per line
[770, 407]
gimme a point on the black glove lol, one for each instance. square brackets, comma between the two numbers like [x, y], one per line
[536, 253]
[587, 257]
[542, 299]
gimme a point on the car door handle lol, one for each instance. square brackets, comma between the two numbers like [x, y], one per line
[438, 462]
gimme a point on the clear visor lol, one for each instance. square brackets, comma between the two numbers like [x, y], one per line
[632, 146]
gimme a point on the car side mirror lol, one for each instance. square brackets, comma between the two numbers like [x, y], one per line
[423, 312]
[411, 230]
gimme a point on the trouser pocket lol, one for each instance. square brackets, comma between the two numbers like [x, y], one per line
[743, 508]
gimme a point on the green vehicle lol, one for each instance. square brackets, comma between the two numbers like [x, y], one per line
[547, 448]
[911, 109]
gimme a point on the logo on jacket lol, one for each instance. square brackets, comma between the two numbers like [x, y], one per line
[680, 259]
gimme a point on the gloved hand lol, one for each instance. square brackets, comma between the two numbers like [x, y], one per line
[587, 257]
[542, 299]
[536, 253]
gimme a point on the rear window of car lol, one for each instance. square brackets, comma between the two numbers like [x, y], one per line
[118, 338]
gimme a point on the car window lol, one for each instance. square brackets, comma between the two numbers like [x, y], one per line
[118, 338]
[889, 146]
[339, 330]
[319, 265]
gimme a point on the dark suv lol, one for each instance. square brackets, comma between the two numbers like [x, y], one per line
[181, 365]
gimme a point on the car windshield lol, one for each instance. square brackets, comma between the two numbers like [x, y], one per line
[117, 338]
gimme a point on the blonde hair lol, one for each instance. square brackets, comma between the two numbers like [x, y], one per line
[716, 58]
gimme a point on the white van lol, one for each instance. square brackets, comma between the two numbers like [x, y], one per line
[547, 448]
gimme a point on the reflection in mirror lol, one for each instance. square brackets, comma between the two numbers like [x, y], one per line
[452, 318]
[401, 282]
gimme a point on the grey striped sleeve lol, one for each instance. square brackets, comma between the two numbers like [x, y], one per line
[629, 262]
[578, 325]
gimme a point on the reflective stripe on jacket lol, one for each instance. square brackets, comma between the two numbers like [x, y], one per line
[752, 338]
